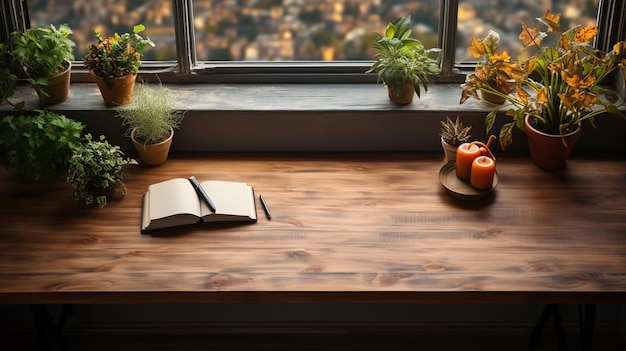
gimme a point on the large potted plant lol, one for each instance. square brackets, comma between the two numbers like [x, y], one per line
[150, 119]
[45, 54]
[402, 63]
[114, 63]
[38, 147]
[96, 169]
[559, 90]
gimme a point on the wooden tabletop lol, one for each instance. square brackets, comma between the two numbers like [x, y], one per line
[345, 228]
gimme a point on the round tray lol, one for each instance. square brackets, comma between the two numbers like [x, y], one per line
[460, 189]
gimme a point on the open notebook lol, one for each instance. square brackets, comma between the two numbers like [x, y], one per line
[175, 202]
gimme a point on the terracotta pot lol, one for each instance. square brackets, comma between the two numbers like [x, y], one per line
[449, 151]
[119, 92]
[58, 87]
[402, 96]
[153, 154]
[491, 97]
[549, 151]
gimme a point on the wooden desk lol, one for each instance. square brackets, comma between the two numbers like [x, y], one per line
[346, 228]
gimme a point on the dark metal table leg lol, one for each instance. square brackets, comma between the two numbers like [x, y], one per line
[49, 331]
[553, 311]
[587, 320]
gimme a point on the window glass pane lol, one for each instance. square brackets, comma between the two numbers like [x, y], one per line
[477, 17]
[303, 30]
[109, 17]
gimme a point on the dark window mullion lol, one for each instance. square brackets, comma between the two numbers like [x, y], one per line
[185, 37]
[611, 19]
[447, 36]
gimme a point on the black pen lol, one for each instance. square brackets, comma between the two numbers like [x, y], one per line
[265, 208]
[202, 193]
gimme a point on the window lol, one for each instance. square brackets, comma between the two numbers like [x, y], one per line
[477, 17]
[297, 40]
[108, 17]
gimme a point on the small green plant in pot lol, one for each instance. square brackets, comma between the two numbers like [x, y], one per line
[114, 63]
[402, 63]
[150, 119]
[44, 53]
[39, 146]
[96, 170]
[453, 134]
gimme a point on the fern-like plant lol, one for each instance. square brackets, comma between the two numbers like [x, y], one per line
[38, 146]
[152, 113]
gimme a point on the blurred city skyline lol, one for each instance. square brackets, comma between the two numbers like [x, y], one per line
[297, 30]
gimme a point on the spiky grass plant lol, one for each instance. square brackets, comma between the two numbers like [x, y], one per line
[152, 112]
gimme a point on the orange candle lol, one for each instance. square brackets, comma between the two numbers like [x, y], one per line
[465, 155]
[483, 169]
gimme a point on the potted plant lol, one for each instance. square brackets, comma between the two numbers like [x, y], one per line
[45, 54]
[150, 119]
[495, 70]
[39, 146]
[453, 134]
[559, 90]
[402, 63]
[114, 63]
[96, 170]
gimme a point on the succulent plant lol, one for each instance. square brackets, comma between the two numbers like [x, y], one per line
[453, 132]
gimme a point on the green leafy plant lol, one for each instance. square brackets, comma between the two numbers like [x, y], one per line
[400, 59]
[8, 80]
[43, 52]
[118, 55]
[454, 133]
[39, 146]
[560, 87]
[152, 112]
[94, 167]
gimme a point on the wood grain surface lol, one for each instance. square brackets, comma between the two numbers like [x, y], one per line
[362, 228]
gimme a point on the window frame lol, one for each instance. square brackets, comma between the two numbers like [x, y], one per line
[186, 68]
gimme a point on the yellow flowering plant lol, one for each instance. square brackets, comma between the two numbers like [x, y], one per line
[559, 86]
[118, 55]
[496, 71]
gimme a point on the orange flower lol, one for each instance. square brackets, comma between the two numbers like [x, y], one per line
[585, 34]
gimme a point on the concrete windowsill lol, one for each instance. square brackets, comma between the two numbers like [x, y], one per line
[307, 117]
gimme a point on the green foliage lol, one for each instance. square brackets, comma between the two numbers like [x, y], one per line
[454, 133]
[42, 51]
[153, 112]
[39, 146]
[400, 58]
[8, 80]
[96, 165]
[118, 55]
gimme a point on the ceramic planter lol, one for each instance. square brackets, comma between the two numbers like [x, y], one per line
[58, 87]
[403, 96]
[119, 92]
[449, 151]
[549, 151]
[153, 154]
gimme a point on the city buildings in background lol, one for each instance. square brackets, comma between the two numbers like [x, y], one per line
[296, 30]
